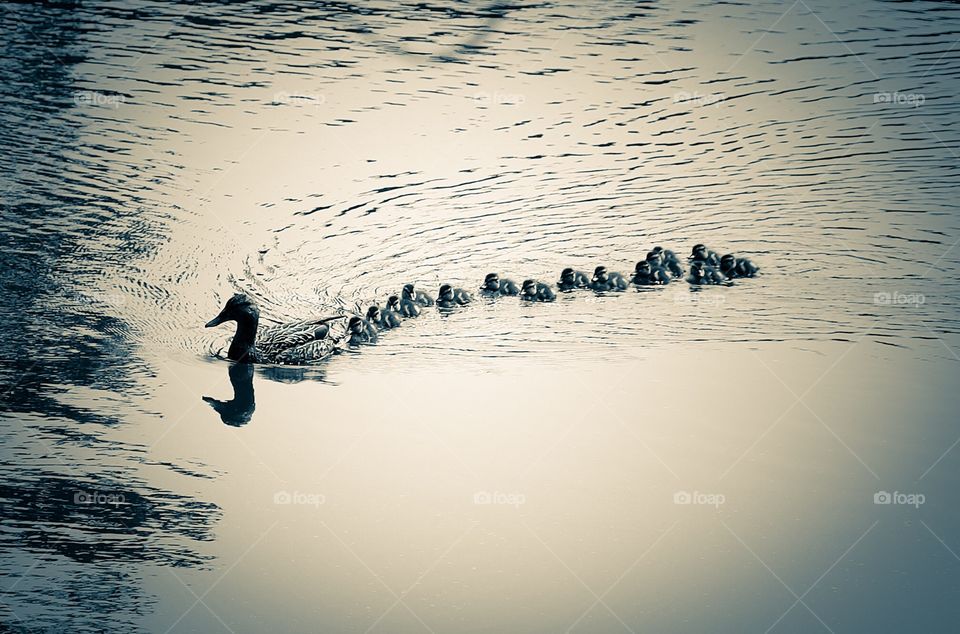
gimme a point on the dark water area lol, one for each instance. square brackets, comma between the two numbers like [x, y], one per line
[316, 156]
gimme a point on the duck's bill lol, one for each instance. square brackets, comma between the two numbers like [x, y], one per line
[216, 321]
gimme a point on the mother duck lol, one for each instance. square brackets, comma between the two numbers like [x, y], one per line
[296, 342]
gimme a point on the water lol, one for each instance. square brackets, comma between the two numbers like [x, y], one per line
[160, 157]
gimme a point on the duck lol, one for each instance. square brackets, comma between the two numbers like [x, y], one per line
[493, 285]
[408, 302]
[360, 332]
[450, 297]
[604, 280]
[645, 274]
[297, 343]
[700, 273]
[668, 260]
[700, 253]
[383, 319]
[571, 279]
[732, 266]
[423, 299]
[392, 312]
[535, 291]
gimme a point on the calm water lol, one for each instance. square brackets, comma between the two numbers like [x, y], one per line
[507, 467]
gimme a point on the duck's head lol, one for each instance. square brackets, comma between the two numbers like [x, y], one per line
[373, 313]
[728, 262]
[654, 257]
[446, 292]
[566, 276]
[600, 274]
[238, 308]
[643, 268]
[697, 271]
[699, 252]
[355, 325]
[491, 282]
[408, 292]
[529, 287]
[393, 303]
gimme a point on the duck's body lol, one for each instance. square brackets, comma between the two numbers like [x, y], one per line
[732, 267]
[294, 343]
[534, 291]
[571, 279]
[668, 260]
[361, 332]
[701, 253]
[421, 298]
[391, 313]
[700, 273]
[383, 319]
[646, 274]
[604, 280]
[451, 297]
[493, 286]
[408, 305]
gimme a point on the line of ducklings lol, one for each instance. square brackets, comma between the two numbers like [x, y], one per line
[311, 340]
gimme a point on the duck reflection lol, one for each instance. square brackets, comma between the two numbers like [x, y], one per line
[239, 410]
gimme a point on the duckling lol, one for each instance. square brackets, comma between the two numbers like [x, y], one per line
[360, 332]
[701, 253]
[408, 302]
[668, 260]
[646, 275]
[700, 273]
[570, 279]
[535, 291]
[382, 319]
[391, 314]
[493, 285]
[604, 280]
[293, 343]
[451, 297]
[424, 299]
[732, 266]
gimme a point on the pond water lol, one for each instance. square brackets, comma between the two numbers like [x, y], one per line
[668, 460]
